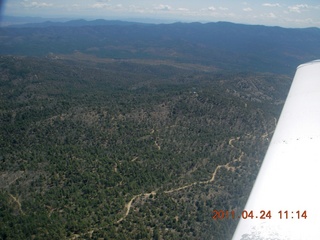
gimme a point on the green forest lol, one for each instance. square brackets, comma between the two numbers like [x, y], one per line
[129, 149]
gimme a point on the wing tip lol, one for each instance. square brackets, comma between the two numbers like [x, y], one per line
[317, 61]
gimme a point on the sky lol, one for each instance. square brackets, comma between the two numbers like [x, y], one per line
[289, 13]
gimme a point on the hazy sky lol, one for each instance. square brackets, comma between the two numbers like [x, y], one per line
[290, 13]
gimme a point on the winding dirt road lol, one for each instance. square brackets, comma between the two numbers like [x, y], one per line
[128, 205]
[17, 202]
[227, 166]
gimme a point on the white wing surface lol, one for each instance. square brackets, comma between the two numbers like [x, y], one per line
[285, 200]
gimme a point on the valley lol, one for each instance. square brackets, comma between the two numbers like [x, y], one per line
[111, 135]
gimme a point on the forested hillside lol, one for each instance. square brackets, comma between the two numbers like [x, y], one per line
[119, 149]
[222, 45]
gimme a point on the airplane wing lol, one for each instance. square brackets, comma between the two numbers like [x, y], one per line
[285, 200]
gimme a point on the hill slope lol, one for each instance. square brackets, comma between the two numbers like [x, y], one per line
[128, 150]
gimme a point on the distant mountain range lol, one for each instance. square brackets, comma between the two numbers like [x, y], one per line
[222, 44]
[12, 20]
[71, 23]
